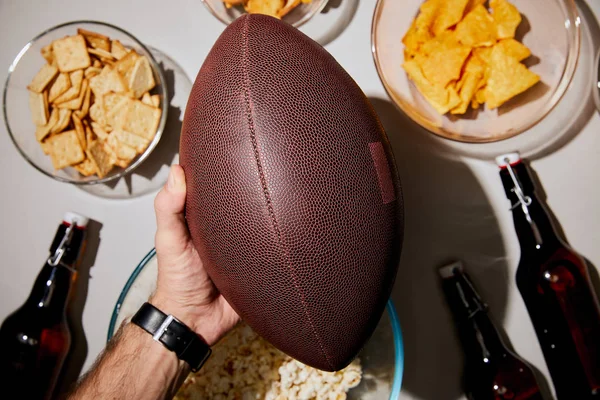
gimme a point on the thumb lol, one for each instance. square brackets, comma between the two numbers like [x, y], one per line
[172, 235]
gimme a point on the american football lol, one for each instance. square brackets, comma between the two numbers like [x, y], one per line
[293, 199]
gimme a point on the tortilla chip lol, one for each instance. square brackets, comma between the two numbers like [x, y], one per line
[96, 40]
[472, 4]
[508, 78]
[65, 149]
[109, 80]
[142, 78]
[141, 119]
[42, 131]
[468, 88]
[86, 167]
[71, 53]
[118, 50]
[442, 99]
[44, 76]
[420, 30]
[64, 117]
[77, 102]
[76, 78]
[507, 18]
[477, 28]
[134, 141]
[80, 130]
[443, 66]
[38, 105]
[103, 162]
[514, 48]
[450, 12]
[267, 7]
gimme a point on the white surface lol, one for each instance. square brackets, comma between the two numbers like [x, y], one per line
[454, 209]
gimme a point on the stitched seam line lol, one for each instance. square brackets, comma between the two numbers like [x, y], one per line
[265, 189]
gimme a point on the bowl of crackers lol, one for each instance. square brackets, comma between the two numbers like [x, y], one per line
[476, 71]
[85, 102]
[294, 12]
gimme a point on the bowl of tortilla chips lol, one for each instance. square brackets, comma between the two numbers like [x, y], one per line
[85, 102]
[294, 12]
[476, 71]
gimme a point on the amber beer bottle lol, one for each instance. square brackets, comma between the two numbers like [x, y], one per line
[492, 371]
[35, 339]
[555, 285]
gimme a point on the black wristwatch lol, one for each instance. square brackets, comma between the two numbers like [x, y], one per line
[173, 334]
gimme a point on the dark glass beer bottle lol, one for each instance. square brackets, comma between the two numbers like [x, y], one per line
[35, 339]
[555, 285]
[492, 371]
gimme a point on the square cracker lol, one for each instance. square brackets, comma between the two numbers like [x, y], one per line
[43, 78]
[77, 102]
[64, 117]
[79, 130]
[109, 80]
[48, 54]
[102, 160]
[38, 104]
[137, 142]
[125, 65]
[76, 78]
[156, 100]
[121, 150]
[71, 53]
[60, 85]
[95, 40]
[85, 107]
[103, 54]
[86, 167]
[42, 131]
[147, 99]
[118, 50]
[65, 149]
[142, 78]
[141, 119]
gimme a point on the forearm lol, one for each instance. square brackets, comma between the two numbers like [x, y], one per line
[133, 366]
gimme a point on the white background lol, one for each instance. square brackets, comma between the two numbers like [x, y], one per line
[454, 208]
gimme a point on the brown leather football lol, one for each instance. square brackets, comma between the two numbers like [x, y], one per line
[293, 200]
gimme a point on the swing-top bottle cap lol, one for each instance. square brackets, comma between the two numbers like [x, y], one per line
[508, 159]
[73, 218]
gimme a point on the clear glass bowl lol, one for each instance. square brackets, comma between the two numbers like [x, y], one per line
[550, 28]
[382, 368]
[297, 17]
[17, 115]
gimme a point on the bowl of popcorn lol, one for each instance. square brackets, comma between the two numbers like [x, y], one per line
[245, 366]
[85, 102]
[294, 12]
[476, 71]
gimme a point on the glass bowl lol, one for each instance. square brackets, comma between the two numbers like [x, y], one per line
[17, 115]
[382, 368]
[297, 17]
[550, 28]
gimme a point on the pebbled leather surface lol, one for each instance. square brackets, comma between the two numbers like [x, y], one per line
[293, 200]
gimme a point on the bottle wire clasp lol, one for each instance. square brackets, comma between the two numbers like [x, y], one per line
[523, 201]
[55, 259]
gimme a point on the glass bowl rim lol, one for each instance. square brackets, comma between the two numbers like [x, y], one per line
[390, 309]
[296, 24]
[570, 67]
[164, 106]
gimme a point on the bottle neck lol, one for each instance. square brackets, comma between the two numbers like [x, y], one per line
[532, 221]
[51, 291]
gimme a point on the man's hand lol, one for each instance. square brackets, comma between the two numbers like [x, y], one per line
[184, 288]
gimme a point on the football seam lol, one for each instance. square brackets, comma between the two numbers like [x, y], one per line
[263, 182]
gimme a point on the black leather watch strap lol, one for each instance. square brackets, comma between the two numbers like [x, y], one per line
[173, 334]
